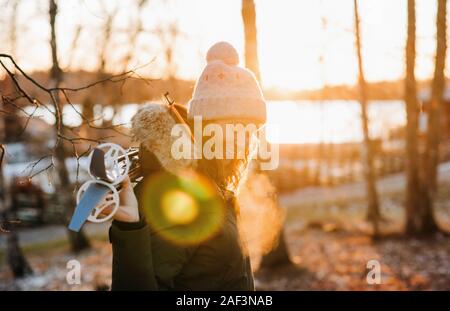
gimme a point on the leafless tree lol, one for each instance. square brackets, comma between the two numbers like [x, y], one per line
[279, 254]
[102, 95]
[419, 219]
[58, 153]
[13, 26]
[169, 35]
[321, 147]
[78, 241]
[55, 97]
[136, 28]
[414, 186]
[251, 44]
[14, 254]
[74, 44]
[15, 257]
[368, 152]
[436, 104]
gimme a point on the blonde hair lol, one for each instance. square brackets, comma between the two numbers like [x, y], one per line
[228, 174]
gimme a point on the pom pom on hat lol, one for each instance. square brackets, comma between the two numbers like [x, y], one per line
[225, 91]
[224, 52]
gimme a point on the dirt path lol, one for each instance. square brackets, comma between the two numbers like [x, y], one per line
[30, 236]
[391, 183]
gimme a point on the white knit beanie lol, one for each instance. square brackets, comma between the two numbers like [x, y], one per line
[226, 91]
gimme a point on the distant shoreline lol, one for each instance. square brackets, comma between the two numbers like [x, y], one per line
[181, 90]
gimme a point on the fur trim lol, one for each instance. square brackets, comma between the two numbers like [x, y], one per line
[151, 126]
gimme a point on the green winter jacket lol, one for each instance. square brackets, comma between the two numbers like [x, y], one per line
[143, 260]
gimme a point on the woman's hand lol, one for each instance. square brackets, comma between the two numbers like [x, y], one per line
[128, 210]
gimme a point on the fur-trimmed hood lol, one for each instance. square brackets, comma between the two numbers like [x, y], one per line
[151, 126]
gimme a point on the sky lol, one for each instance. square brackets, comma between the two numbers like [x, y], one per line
[293, 35]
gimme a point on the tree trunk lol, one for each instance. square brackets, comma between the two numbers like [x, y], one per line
[435, 109]
[251, 46]
[15, 257]
[419, 219]
[13, 28]
[16, 260]
[78, 241]
[278, 256]
[414, 186]
[88, 113]
[429, 174]
[373, 213]
[104, 95]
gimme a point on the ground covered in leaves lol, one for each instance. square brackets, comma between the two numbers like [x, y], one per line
[331, 242]
[338, 261]
[322, 260]
[50, 268]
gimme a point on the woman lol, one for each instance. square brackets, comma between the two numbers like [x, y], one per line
[143, 259]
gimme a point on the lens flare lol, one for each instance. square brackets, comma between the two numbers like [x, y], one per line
[179, 207]
[183, 209]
